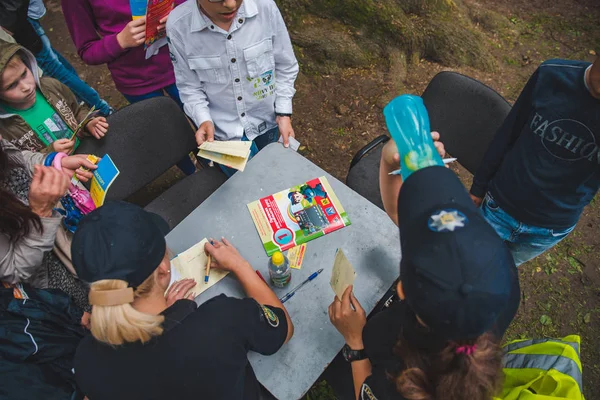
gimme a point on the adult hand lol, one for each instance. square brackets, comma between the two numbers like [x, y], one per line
[349, 318]
[97, 127]
[134, 33]
[285, 129]
[476, 200]
[179, 290]
[72, 165]
[206, 133]
[439, 146]
[225, 256]
[63, 145]
[48, 185]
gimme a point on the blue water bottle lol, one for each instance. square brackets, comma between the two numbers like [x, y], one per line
[408, 122]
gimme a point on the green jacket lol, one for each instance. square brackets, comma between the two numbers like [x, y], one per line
[13, 128]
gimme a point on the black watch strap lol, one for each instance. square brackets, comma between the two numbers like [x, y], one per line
[353, 355]
[283, 115]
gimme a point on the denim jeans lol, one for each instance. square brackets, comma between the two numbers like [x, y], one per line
[53, 64]
[185, 164]
[524, 241]
[260, 142]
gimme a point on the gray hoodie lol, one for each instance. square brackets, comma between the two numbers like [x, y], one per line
[21, 261]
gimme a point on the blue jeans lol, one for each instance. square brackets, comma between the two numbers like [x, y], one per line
[260, 142]
[53, 64]
[185, 164]
[524, 241]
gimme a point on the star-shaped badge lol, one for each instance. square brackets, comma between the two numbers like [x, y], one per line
[447, 220]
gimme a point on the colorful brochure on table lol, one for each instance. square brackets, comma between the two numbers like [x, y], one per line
[233, 154]
[104, 176]
[297, 215]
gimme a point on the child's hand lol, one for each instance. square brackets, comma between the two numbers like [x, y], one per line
[63, 145]
[134, 33]
[206, 133]
[97, 127]
[285, 129]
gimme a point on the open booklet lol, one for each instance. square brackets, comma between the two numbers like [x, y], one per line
[192, 264]
[233, 154]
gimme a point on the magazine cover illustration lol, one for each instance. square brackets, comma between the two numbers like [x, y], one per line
[297, 215]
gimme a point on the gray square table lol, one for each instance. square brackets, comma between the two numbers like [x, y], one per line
[371, 243]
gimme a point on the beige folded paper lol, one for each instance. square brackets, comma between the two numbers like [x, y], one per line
[192, 264]
[233, 154]
[343, 274]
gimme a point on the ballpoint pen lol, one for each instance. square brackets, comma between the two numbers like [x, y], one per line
[208, 262]
[446, 161]
[294, 290]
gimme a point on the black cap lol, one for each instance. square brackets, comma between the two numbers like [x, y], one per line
[119, 241]
[457, 274]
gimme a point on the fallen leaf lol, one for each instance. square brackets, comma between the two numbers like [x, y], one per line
[545, 320]
[587, 318]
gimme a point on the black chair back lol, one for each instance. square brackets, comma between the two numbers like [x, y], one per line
[467, 114]
[144, 140]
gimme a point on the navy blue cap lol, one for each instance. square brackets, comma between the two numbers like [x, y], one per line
[457, 274]
[119, 241]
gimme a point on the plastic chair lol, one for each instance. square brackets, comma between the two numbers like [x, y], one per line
[363, 175]
[145, 139]
[467, 114]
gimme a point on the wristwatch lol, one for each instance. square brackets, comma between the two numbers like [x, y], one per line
[353, 355]
[283, 115]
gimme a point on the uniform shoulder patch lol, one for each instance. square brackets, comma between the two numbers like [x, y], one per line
[366, 393]
[270, 316]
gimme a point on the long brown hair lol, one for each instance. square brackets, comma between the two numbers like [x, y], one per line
[16, 219]
[451, 374]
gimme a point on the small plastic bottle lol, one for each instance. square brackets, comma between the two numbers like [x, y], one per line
[279, 270]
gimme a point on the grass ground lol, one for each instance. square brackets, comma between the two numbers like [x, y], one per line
[338, 110]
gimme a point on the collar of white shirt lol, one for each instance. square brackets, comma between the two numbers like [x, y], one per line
[200, 21]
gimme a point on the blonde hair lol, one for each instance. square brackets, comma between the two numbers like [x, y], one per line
[122, 323]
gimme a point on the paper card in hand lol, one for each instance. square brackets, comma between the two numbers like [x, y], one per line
[192, 264]
[93, 113]
[233, 154]
[343, 274]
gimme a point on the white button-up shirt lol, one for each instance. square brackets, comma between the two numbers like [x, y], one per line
[237, 79]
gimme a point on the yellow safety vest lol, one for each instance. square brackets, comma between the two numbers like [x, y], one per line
[542, 369]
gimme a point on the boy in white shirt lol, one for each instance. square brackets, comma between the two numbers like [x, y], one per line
[235, 69]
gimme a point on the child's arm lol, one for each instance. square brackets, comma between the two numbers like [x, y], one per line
[191, 89]
[505, 138]
[92, 49]
[286, 65]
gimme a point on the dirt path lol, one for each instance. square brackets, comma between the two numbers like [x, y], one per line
[335, 115]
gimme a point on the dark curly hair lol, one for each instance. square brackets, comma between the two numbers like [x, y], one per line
[16, 219]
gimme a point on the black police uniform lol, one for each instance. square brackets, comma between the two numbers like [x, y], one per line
[382, 331]
[201, 354]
